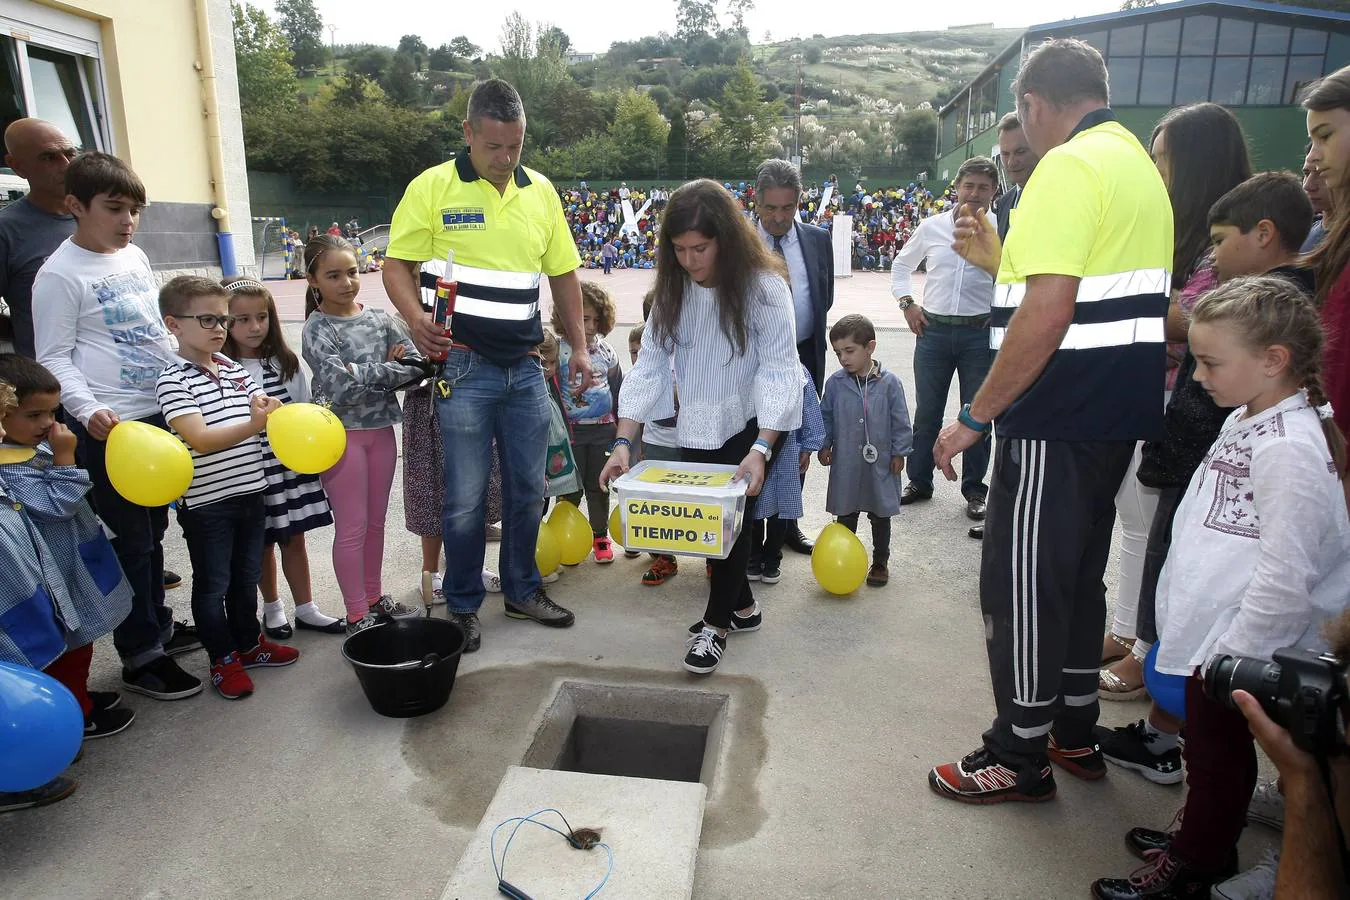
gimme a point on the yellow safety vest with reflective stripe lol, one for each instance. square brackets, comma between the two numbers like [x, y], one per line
[504, 243]
[1095, 209]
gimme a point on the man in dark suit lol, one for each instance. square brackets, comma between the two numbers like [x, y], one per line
[1019, 161]
[809, 255]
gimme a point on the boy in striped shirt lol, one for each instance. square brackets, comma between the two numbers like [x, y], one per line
[216, 408]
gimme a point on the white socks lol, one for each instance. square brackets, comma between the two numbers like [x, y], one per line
[1158, 742]
[274, 614]
[312, 615]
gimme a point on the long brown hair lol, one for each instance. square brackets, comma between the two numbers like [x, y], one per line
[274, 345]
[1266, 310]
[1333, 254]
[315, 248]
[1207, 158]
[708, 208]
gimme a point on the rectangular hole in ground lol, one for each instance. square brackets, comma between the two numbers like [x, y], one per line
[631, 748]
[631, 731]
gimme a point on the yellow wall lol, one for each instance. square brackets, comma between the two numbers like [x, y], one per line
[154, 93]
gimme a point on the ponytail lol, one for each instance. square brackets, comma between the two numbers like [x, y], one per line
[1317, 398]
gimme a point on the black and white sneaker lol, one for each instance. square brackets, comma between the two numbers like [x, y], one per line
[705, 652]
[1128, 747]
[752, 622]
[184, 639]
[389, 608]
[101, 724]
[754, 570]
[369, 620]
[472, 628]
[771, 573]
[104, 700]
[162, 680]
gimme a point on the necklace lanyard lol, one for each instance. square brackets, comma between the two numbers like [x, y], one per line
[863, 386]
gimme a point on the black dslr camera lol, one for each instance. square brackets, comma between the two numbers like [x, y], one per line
[1305, 692]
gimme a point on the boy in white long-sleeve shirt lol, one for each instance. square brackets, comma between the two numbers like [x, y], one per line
[97, 328]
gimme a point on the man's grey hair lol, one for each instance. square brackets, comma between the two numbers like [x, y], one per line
[1063, 72]
[497, 100]
[777, 173]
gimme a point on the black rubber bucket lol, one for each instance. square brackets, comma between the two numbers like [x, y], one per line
[406, 666]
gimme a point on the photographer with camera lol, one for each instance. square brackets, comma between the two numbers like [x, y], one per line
[1260, 559]
[1307, 743]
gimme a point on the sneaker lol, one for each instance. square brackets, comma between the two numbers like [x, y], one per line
[1128, 747]
[437, 587]
[162, 680]
[172, 580]
[1267, 805]
[387, 607]
[771, 572]
[59, 788]
[663, 569]
[268, 655]
[1084, 762]
[754, 570]
[102, 723]
[878, 575]
[104, 700]
[432, 591]
[184, 639]
[230, 679]
[473, 631]
[1257, 883]
[491, 583]
[550, 577]
[603, 548]
[1165, 877]
[369, 620]
[705, 651]
[980, 778]
[752, 622]
[539, 607]
[915, 494]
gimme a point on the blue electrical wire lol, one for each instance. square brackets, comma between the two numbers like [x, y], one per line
[500, 867]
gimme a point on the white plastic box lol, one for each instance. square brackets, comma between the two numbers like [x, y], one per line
[680, 508]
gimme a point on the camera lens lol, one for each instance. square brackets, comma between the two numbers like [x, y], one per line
[1225, 674]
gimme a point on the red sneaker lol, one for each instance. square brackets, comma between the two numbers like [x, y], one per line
[268, 655]
[980, 778]
[230, 679]
[604, 550]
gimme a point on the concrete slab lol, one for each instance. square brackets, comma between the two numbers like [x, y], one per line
[652, 826]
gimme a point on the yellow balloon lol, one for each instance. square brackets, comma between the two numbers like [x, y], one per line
[147, 465]
[547, 554]
[616, 525]
[562, 510]
[839, 560]
[574, 538]
[306, 437]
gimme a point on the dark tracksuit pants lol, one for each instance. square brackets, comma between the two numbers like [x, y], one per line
[1046, 542]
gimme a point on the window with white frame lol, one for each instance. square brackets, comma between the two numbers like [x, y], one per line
[51, 67]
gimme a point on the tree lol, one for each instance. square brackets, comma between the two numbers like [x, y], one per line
[677, 146]
[695, 17]
[303, 27]
[465, 48]
[401, 82]
[373, 62]
[413, 45]
[916, 134]
[744, 119]
[555, 35]
[737, 10]
[441, 59]
[263, 58]
[813, 54]
[638, 134]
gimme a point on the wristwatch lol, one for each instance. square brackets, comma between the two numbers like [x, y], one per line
[974, 424]
[763, 447]
[906, 303]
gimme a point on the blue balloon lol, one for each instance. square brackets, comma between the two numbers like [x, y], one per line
[41, 728]
[1168, 691]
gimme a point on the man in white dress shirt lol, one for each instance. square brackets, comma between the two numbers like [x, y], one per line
[952, 326]
[809, 255]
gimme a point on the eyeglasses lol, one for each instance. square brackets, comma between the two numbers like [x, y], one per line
[210, 321]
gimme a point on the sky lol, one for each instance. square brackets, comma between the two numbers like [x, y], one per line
[385, 22]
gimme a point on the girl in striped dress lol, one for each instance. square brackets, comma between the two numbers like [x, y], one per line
[295, 503]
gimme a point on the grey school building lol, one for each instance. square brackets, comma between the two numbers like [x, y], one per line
[1253, 58]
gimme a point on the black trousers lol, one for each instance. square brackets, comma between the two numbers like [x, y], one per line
[729, 589]
[881, 535]
[1155, 554]
[1047, 537]
[767, 539]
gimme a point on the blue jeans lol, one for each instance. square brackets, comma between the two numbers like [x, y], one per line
[139, 544]
[943, 351]
[511, 404]
[225, 542]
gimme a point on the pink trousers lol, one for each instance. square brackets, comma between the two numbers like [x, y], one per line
[358, 491]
